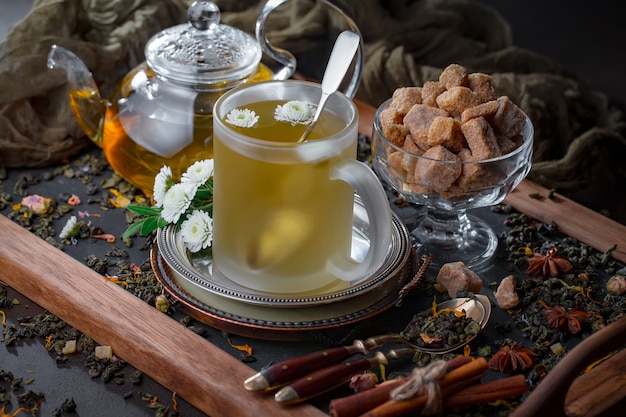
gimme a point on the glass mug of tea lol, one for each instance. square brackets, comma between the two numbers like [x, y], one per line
[283, 210]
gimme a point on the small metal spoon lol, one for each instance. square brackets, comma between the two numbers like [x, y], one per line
[330, 377]
[341, 56]
[478, 308]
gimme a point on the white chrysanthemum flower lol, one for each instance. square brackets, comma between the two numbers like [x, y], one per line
[71, 228]
[162, 182]
[176, 201]
[197, 231]
[199, 172]
[242, 118]
[294, 112]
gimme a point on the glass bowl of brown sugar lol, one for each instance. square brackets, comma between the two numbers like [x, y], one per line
[449, 162]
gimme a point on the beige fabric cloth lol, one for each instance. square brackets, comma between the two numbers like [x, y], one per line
[37, 127]
[580, 144]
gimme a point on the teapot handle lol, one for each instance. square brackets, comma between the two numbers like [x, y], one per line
[287, 59]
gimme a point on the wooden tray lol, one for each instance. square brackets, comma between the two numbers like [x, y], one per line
[89, 303]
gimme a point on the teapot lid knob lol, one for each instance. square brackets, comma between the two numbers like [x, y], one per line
[203, 51]
[203, 14]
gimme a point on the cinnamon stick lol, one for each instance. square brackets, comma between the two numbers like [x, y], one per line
[357, 404]
[488, 391]
[393, 408]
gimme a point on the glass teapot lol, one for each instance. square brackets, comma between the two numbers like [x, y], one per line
[161, 112]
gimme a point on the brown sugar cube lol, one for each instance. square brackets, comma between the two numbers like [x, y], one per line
[455, 276]
[395, 162]
[509, 119]
[390, 116]
[396, 134]
[430, 92]
[418, 121]
[455, 193]
[487, 110]
[392, 127]
[420, 189]
[457, 99]
[506, 295]
[432, 172]
[518, 140]
[481, 139]
[446, 131]
[405, 97]
[408, 158]
[454, 75]
[474, 176]
[482, 85]
[506, 145]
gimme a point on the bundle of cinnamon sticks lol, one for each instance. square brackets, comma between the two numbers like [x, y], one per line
[460, 387]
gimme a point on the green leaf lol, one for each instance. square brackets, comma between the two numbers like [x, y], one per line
[204, 194]
[132, 229]
[150, 224]
[144, 211]
[161, 223]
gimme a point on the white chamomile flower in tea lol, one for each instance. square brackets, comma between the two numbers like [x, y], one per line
[176, 201]
[71, 228]
[197, 231]
[294, 112]
[199, 172]
[162, 182]
[242, 118]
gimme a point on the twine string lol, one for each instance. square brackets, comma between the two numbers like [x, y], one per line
[424, 381]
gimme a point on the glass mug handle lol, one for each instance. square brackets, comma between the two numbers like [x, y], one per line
[375, 202]
[287, 59]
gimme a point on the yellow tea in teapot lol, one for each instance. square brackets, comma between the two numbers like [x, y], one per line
[140, 135]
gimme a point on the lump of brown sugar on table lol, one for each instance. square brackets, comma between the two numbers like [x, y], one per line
[456, 276]
[506, 295]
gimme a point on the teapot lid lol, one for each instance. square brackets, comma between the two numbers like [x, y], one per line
[203, 50]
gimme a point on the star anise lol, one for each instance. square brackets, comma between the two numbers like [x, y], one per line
[512, 359]
[549, 264]
[566, 320]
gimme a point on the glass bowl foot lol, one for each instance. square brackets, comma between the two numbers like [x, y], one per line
[454, 236]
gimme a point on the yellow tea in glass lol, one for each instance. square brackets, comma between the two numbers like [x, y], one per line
[283, 210]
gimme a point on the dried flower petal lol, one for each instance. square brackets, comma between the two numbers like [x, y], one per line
[74, 200]
[243, 348]
[120, 200]
[362, 382]
[36, 203]
[105, 236]
[430, 339]
[616, 284]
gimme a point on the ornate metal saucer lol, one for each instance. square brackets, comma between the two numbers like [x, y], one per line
[223, 304]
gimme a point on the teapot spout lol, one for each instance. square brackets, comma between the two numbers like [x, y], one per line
[87, 105]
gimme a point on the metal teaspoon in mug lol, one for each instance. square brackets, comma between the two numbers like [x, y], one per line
[341, 56]
[477, 308]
